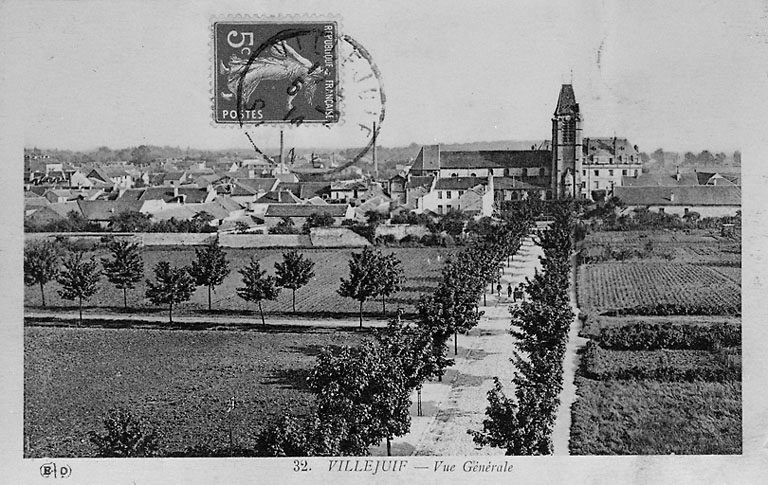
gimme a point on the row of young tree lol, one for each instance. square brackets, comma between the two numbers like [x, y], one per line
[371, 274]
[523, 424]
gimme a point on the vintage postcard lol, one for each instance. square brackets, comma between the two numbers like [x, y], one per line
[345, 242]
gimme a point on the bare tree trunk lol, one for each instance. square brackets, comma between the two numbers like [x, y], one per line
[383, 306]
[293, 299]
[170, 312]
[42, 293]
[209, 297]
[125, 298]
[389, 447]
[361, 313]
[80, 309]
[261, 312]
[455, 342]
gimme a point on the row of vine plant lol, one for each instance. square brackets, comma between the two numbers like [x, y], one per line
[363, 393]
[522, 424]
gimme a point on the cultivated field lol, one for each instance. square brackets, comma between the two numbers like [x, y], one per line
[181, 380]
[646, 417]
[421, 265]
[661, 372]
[622, 286]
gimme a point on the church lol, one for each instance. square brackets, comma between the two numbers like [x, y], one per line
[568, 166]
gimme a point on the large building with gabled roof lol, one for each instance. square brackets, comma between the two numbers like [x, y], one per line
[570, 165]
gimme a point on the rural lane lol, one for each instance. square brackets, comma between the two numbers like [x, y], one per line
[458, 403]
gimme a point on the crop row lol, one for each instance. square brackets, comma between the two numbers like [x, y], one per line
[649, 285]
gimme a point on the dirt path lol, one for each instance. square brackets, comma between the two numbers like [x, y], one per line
[138, 320]
[561, 435]
[458, 403]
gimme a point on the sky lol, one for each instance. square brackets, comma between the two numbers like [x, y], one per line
[676, 75]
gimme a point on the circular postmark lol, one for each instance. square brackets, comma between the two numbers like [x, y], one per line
[272, 73]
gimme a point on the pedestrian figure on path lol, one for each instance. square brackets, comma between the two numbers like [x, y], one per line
[509, 290]
[498, 289]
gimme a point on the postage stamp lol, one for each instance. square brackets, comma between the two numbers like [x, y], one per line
[274, 71]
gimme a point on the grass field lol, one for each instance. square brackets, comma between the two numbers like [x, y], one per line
[181, 380]
[656, 418]
[616, 286]
[421, 265]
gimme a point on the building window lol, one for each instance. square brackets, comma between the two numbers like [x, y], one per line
[619, 158]
[597, 184]
[610, 159]
[448, 194]
[454, 174]
[541, 172]
[584, 173]
[439, 194]
[631, 158]
[597, 173]
[624, 172]
[685, 211]
[569, 131]
[610, 173]
[583, 185]
[461, 192]
[661, 210]
[439, 209]
[473, 174]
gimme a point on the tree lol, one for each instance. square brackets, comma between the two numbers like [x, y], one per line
[78, 279]
[130, 221]
[210, 267]
[126, 268]
[141, 155]
[294, 272]
[365, 388]
[391, 278]
[126, 436]
[285, 226]
[41, 264]
[257, 285]
[737, 157]
[173, 285]
[316, 219]
[364, 278]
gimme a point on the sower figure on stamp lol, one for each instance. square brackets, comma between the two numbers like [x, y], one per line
[282, 63]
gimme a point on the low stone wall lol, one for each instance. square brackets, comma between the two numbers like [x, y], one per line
[321, 237]
[399, 231]
[336, 237]
[265, 241]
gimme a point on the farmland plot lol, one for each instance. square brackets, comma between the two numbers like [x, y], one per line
[656, 418]
[181, 380]
[623, 286]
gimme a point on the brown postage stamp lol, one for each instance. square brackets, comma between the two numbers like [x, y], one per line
[272, 71]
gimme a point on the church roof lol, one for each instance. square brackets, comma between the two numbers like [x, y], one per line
[566, 102]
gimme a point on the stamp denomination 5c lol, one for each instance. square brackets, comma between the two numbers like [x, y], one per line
[275, 72]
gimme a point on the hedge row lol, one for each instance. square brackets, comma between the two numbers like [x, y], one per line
[600, 364]
[651, 336]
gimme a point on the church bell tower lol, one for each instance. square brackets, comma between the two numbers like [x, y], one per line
[567, 149]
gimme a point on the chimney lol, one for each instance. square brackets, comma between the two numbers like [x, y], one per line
[672, 197]
[677, 173]
[175, 191]
[251, 173]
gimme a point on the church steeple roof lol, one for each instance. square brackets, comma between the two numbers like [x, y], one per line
[566, 102]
